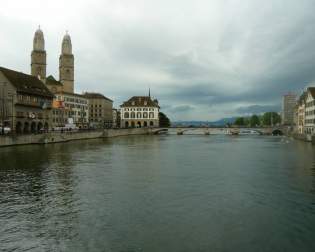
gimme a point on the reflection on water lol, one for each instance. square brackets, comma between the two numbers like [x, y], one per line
[159, 193]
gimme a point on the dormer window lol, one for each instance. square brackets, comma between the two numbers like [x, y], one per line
[145, 103]
[133, 103]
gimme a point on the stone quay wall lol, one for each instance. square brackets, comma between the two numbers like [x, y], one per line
[58, 137]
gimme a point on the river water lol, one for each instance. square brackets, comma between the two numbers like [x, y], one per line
[159, 193]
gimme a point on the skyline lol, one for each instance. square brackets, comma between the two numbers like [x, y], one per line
[190, 54]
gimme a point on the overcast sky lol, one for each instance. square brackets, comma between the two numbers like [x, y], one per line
[203, 59]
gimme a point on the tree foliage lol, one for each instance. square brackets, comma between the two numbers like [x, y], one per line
[240, 121]
[254, 121]
[271, 118]
[164, 120]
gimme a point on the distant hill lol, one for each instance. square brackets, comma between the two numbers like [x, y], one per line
[224, 121]
[221, 122]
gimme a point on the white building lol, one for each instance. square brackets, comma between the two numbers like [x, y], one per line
[288, 108]
[70, 108]
[310, 111]
[300, 113]
[140, 111]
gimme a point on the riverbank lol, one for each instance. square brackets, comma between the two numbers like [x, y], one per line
[304, 137]
[58, 137]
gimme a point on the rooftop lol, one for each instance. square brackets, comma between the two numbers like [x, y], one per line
[311, 90]
[26, 83]
[70, 94]
[95, 96]
[50, 80]
[140, 101]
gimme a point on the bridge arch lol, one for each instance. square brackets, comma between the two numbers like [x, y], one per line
[277, 132]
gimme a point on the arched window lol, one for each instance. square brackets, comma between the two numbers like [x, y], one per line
[139, 115]
[126, 115]
[18, 127]
[33, 127]
[133, 115]
[151, 115]
[145, 114]
[151, 123]
[145, 124]
[26, 128]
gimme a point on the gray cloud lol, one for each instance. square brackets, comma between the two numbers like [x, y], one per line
[257, 109]
[203, 60]
[180, 108]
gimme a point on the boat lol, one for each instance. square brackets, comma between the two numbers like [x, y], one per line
[234, 132]
[249, 132]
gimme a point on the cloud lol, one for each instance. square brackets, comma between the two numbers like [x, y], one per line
[257, 109]
[181, 108]
[202, 59]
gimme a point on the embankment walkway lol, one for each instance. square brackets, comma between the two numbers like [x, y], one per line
[58, 137]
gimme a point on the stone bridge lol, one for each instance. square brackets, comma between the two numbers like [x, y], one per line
[277, 130]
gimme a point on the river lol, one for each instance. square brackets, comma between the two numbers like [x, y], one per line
[159, 193]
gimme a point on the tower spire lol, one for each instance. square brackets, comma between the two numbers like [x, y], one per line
[149, 92]
[66, 64]
[38, 56]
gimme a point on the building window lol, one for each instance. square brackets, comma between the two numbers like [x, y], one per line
[145, 115]
[126, 115]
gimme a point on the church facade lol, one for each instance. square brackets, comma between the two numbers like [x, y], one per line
[68, 107]
[66, 64]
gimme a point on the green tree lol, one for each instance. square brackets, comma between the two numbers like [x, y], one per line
[164, 120]
[254, 121]
[239, 121]
[246, 121]
[271, 118]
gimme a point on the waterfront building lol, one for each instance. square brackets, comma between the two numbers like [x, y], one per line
[26, 102]
[288, 107]
[70, 108]
[100, 110]
[300, 114]
[140, 111]
[310, 111]
[116, 118]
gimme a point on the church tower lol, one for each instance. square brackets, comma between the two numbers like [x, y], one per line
[66, 65]
[38, 56]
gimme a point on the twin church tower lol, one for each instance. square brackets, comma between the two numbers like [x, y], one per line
[66, 61]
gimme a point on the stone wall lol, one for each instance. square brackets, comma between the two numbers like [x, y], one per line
[55, 137]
